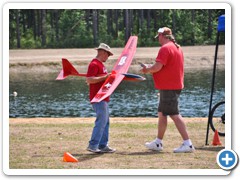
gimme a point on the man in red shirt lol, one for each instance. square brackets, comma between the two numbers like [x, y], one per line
[168, 76]
[96, 75]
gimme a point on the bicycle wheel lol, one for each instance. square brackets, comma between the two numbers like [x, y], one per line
[217, 118]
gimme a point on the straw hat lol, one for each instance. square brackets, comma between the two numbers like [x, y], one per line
[105, 47]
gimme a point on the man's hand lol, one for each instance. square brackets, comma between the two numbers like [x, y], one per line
[144, 68]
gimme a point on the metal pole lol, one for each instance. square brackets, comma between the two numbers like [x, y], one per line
[212, 89]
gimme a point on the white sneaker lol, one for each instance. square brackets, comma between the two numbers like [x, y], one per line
[184, 149]
[154, 146]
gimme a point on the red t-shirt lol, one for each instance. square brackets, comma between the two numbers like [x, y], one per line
[171, 76]
[96, 68]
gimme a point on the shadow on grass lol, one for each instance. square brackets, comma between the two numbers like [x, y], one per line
[210, 148]
[85, 157]
[80, 157]
[138, 153]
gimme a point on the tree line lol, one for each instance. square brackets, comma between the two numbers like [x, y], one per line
[85, 28]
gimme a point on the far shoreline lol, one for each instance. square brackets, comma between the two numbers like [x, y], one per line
[49, 60]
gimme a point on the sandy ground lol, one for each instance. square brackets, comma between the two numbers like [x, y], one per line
[91, 120]
[50, 59]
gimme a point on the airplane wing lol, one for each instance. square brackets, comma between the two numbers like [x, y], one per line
[69, 70]
[120, 68]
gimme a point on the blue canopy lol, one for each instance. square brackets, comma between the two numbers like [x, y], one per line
[221, 23]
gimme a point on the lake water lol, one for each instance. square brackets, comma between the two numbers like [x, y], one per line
[42, 96]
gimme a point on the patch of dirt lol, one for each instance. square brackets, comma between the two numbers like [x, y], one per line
[49, 60]
[91, 120]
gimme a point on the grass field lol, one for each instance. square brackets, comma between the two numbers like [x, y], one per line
[40, 143]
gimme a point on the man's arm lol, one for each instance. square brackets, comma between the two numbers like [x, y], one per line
[152, 69]
[94, 79]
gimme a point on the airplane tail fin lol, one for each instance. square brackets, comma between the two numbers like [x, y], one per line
[67, 70]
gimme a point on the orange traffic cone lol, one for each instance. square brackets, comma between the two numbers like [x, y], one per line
[67, 157]
[216, 141]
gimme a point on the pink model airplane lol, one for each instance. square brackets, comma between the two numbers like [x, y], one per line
[118, 73]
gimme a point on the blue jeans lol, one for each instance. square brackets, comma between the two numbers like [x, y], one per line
[100, 131]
